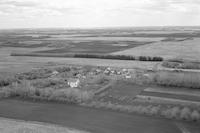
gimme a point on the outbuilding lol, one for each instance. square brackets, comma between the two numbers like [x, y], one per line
[73, 83]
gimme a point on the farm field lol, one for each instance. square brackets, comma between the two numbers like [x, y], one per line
[110, 85]
[19, 126]
[167, 42]
[98, 87]
[92, 120]
[188, 49]
[69, 41]
[16, 64]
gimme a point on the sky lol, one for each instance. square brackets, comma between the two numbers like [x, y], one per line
[98, 13]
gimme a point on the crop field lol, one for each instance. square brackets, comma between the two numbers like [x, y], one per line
[167, 42]
[19, 126]
[65, 42]
[96, 47]
[187, 49]
[122, 92]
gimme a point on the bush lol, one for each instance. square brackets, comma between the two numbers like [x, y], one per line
[6, 80]
[170, 112]
[167, 113]
[63, 69]
[185, 113]
[170, 64]
[118, 57]
[98, 56]
[26, 90]
[35, 74]
[177, 79]
[181, 65]
[43, 83]
[157, 59]
[147, 58]
[143, 58]
[175, 111]
[99, 79]
[71, 95]
[45, 92]
[195, 116]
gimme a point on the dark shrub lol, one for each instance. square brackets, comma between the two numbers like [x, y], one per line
[117, 57]
[148, 58]
[63, 69]
[157, 59]
[143, 58]
[35, 74]
[5, 81]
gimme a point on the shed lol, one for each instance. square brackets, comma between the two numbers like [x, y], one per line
[73, 83]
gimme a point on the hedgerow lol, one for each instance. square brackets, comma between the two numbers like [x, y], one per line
[177, 79]
[119, 57]
[26, 90]
[181, 65]
[181, 113]
[97, 56]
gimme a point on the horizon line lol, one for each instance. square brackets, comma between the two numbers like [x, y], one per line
[99, 27]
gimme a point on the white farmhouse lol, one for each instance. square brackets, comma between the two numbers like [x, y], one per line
[73, 83]
[128, 76]
[54, 73]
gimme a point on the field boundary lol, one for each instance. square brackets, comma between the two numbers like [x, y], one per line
[96, 56]
[190, 92]
[40, 124]
[156, 99]
[159, 67]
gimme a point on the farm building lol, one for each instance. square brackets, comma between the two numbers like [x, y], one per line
[73, 83]
[55, 72]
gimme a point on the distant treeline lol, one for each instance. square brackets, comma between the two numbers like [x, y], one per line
[97, 56]
[119, 57]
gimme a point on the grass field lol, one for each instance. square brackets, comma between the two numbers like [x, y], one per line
[189, 49]
[19, 126]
